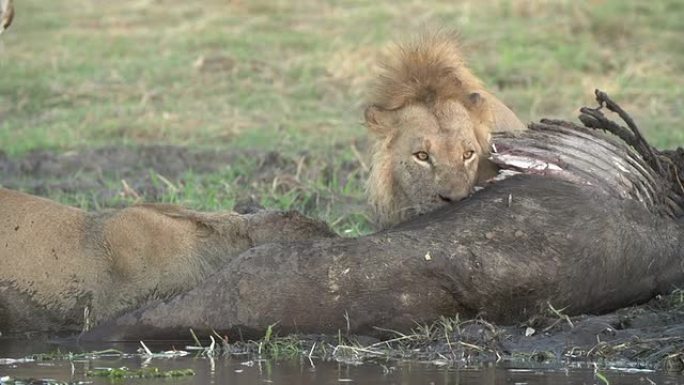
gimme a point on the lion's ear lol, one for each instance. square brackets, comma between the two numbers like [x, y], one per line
[475, 99]
[504, 119]
[377, 120]
[478, 105]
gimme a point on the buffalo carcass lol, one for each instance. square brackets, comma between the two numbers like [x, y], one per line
[578, 220]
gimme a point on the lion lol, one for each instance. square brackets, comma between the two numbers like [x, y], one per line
[65, 269]
[431, 119]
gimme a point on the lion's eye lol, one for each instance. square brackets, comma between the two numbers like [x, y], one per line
[468, 154]
[422, 156]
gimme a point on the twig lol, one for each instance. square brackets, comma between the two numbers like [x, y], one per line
[194, 337]
[362, 350]
[546, 329]
[560, 315]
[472, 346]
[147, 350]
[389, 330]
[359, 158]
[387, 342]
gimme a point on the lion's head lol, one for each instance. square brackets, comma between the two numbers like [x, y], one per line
[431, 119]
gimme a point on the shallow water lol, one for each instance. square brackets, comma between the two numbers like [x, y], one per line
[242, 370]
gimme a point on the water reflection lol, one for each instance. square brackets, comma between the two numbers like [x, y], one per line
[245, 370]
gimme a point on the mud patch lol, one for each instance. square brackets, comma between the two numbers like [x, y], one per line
[649, 335]
[44, 172]
[645, 336]
[324, 183]
[310, 182]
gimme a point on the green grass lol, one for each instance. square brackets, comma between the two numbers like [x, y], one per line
[125, 373]
[291, 76]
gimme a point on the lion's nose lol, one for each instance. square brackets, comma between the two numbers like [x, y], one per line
[453, 195]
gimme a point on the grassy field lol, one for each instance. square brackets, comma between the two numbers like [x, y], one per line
[291, 77]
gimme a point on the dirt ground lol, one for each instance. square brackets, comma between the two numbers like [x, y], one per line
[649, 335]
[328, 186]
[92, 170]
[646, 336]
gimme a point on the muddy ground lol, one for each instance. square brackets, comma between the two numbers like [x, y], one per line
[649, 335]
[45, 172]
[116, 176]
[92, 170]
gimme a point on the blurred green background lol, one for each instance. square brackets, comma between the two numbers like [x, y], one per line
[291, 76]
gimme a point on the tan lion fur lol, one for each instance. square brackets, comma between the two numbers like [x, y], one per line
[419, 71]
[425, 93]
[63, 268]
